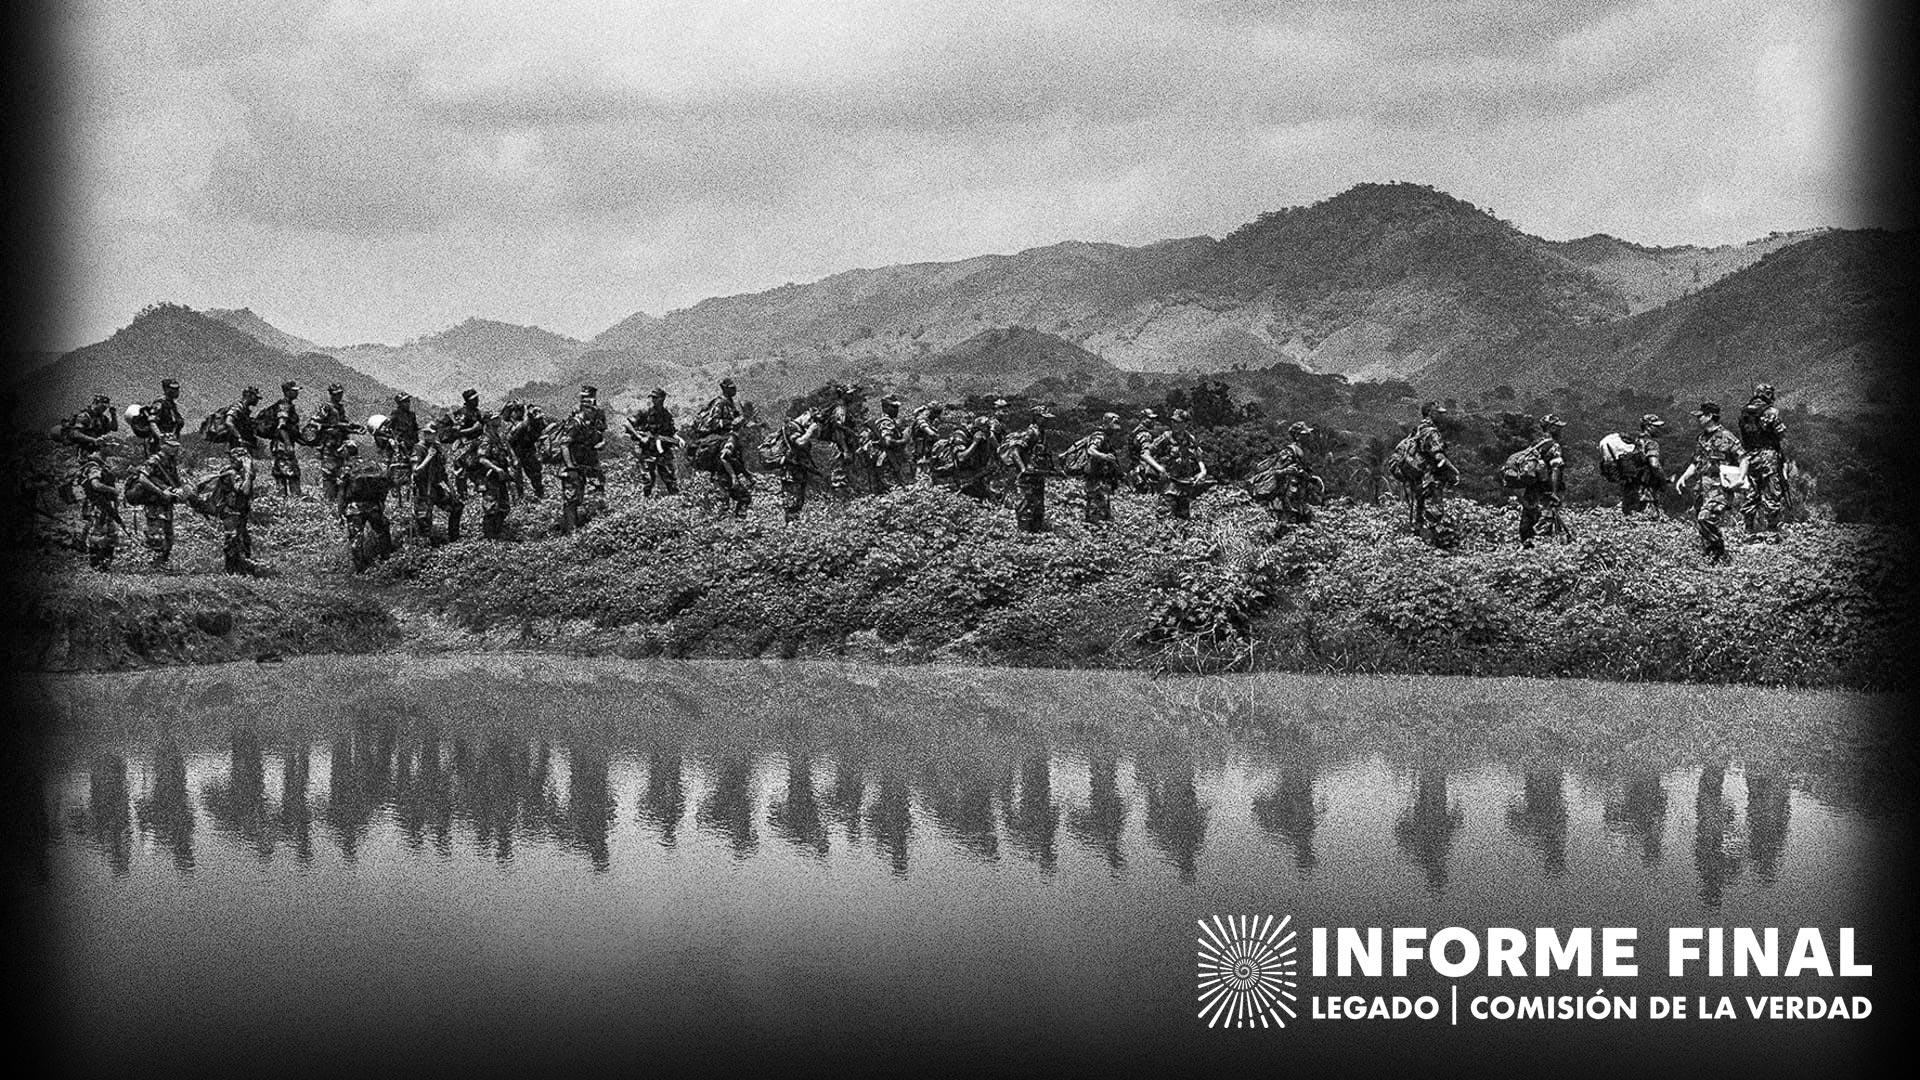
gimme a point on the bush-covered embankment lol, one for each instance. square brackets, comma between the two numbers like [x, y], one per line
[923, 574]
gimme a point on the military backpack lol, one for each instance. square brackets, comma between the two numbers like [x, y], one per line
[1525, 468]
[1404, 463]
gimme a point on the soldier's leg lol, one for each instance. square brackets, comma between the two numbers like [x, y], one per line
[1713, 508]
[793, 493]
[102, 537]
[1529, 515]
[1773, 496]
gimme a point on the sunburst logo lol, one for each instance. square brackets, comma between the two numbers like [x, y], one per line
[1247, 971]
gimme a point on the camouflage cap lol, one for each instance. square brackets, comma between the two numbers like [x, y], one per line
[1300, 429]
[1764, 390]
[402, 399]
[251, 390]
[336, 388]
[1045, 412]
[1652, 421]
[891, 401]
[1109, 419]
[1708, 408]
[102, 399]
[289, 387]
[1001, 403]
[169, 384]
[238, 452]
[658, 391]
[589, 391]
[726, 383]
[469, 394]
[1181, 415]
[1149, 414]
[1552, 420]
[1432, 408]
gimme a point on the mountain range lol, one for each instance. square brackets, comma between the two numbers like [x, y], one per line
[1383, 281]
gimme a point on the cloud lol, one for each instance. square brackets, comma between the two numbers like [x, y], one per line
[667, 150]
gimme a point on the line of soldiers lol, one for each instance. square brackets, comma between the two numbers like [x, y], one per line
[1724, 465]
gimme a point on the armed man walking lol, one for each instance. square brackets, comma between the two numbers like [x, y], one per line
[1175, 459]
[1641, 476]
[231, 501]
[333, 432]
[100, 513]
[1145, 430]
[1762, 436]
[793, 457]
[888, 457]
[1716, 469]
[731, 474]
[582, 435]
[284, 438]
[654, 439]
[165, 410]
[926, 432]
[363, 503]
[1542, 491]
[236, 425]
[1283, 483]
[155, 488]
[1436, 473]
[492, 471]
[1026, 453]
[1102, 476]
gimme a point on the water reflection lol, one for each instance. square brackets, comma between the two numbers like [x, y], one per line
[980, 786]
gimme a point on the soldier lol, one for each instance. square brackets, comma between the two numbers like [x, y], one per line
[794, 459]
[1145, 431]
[1641, 476]
[89, 428]
[1175, 458]
[1715, 465]
[100, 514]
[582, 435]
[973, 475]
[652, 432]
[527, 422]
[1544, 490]
[284, 436]
[1102, 477]
[231, 500]
[732, 476]
[1026, 452]
[403, 428]
[888, 455]
[363, 502]
[434, 485]
[333, 432]
[1436, 474]
[1284, 482]
[467, 424]
[1762, 435]
[925, 432]
[165, 410]
[234, 425]
[492, 471]
[718, 415]
[838, 429]
[157, 483]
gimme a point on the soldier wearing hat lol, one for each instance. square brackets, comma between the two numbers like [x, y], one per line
[1102, 476]
[838, 427]
[235, 425]
[333, 432]
[1543, 492]
[1146, 429]
[924, 432]
[718, 414]
[155, 488]
[284, 436]
[1716, 469]
[583, 433]
[165, 410]
[1174, 456]
[87, 428]
[885, 447]
[731, 473]
[1763, 437]
[403, 428]
[1025, 451]
[231, 501]
[794, 460]
[1641, 476]
[527, 424]
[433, 485]
[652, 431]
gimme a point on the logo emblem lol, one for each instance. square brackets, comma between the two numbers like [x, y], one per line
[1247, 971]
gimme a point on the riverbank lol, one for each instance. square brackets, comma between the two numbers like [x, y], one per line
[924, 576]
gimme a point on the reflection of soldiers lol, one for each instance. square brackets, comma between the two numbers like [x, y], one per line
[237, 806]
[1033, 819]
[652, 432]
[1768, 809]
[1540, 817]
[846, 799]
[589, 805]
[664, 802]
[1104, 820]
[1718, 455]
[796, 818]
[727, 811]
[1287, 811]
[890, 819]
[1712, 824]
[109, 820]
[1176, 820]
[1762, 436]
[296, 817]
[960, 800]
[166, 814]
[1639, 810]
[1426, 831]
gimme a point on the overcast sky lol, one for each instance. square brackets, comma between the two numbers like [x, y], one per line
[376, 170]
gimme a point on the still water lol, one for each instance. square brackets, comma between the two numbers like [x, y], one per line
[496, 865]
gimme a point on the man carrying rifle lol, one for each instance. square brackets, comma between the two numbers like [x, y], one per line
[1026, 452]
[652, 432]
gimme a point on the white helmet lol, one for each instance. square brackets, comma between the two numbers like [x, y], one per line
[375, 423]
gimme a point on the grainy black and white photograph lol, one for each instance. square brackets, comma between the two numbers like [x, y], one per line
[1070, 537]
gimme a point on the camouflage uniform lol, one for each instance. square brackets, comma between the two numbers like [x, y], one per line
[492, 472]
[363, 502]
[232, 503]
[1762, 435]
[140, 425]
[1543, 492]
[235, 425]
[100, 514]
[796, 462]
[1145, 434]
[1283, 482]
[1103, 472]
[732, 476]
[284, 438]
[86, 429]
[925, 432]
[838, 432]
[973, 476]
[524, 435]
[1642, 477]
[1430, 451]
[1026, 451]
[1180, 468]
[653, 435]
[165, 410]
[332, 431]
[1718, 447]
[159, 477]
[433, 486]
[585, 430]
[889, 457]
